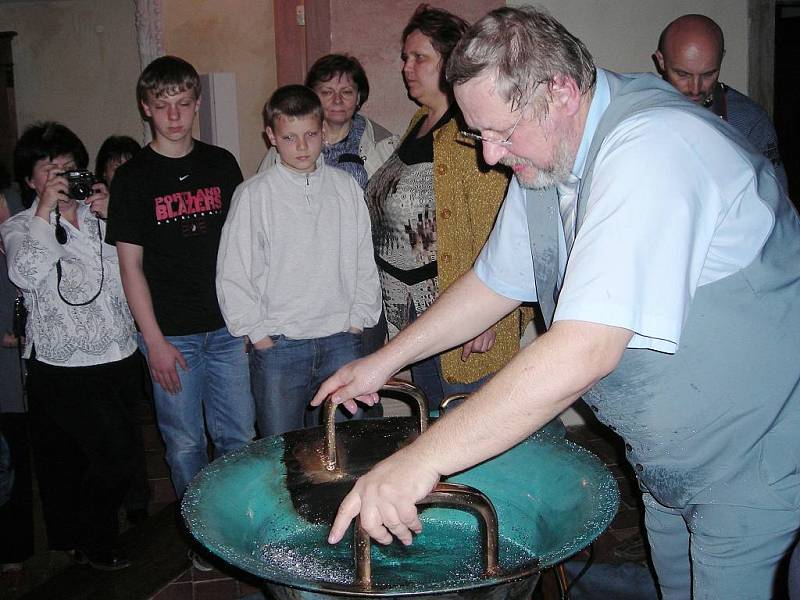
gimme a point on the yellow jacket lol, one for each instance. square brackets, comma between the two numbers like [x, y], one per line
[467, 201]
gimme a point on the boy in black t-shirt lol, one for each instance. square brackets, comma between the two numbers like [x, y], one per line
[169, 206]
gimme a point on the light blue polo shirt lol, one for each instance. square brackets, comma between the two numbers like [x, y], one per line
[673, 205]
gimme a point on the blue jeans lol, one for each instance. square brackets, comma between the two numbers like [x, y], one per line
[286, 376]
[427, 375]
[215, 395]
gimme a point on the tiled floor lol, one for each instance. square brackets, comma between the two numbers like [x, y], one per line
[162, 571]
[212, 585]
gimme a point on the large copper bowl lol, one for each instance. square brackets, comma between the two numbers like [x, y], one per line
[267, 509]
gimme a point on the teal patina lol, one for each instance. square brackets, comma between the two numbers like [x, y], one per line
[267, 509]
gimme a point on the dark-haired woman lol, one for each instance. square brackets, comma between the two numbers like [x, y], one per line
[80, 343]
[433, 204]
[116, 150]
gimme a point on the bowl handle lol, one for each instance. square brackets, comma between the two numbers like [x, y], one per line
[408, 390]
[451, 494]
[445, 403]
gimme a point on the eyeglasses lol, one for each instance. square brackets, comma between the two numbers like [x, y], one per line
[345, 95]
[507, 141]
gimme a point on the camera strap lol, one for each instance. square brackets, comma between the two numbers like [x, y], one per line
[58, 263]
[61, 233]
[18, 326]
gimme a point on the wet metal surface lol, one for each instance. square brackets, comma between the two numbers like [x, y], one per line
[267, 509]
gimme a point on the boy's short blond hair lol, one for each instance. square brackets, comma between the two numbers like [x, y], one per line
[292, 101]
[167, 76]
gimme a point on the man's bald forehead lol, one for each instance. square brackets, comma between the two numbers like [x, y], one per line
[691, 29]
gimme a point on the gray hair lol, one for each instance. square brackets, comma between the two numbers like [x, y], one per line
[524, 47]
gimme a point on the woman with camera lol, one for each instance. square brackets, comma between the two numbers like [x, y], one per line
[79, 339]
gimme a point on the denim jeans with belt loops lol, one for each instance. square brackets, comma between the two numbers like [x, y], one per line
[215, 395]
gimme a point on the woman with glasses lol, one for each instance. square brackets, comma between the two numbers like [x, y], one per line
[352, 142]
[433, 204]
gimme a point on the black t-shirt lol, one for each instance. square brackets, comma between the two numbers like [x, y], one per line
[175, 209]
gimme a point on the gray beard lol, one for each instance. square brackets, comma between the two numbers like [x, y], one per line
[556, 173]
[545, 179]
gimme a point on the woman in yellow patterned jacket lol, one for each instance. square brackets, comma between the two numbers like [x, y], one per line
[433, 204]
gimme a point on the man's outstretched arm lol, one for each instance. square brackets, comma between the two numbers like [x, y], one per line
[538, 384]
[466, 309]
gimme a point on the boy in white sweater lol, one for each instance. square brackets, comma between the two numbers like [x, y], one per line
[295, 269]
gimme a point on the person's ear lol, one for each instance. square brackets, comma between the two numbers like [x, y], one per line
[271, 135]
[29, 181]
[197, 103]
[146, 109]
[658, 61]
[565, 94]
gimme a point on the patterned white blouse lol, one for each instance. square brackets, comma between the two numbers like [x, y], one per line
[100, 332]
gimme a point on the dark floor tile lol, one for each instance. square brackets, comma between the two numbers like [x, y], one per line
[221, 589]
[631, 545]
[246, 589]
[198, 575]
[156, 507]
[37, 570]
[185, 576]
[603, 550]
[630, 496]
[581, 434]
[144, 413]
[606, 451]
[625, 534]
[151, 438]
[621, 470]
[156, 465]
[13, 583]
[161, 491]
[176, 591]
[157, 551]
[221, 569]
[625, 518]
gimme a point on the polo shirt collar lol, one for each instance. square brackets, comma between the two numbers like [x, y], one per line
[600, 101]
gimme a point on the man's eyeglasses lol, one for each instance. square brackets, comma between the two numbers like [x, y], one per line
[505, 142]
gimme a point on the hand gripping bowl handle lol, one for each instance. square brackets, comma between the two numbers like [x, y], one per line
[408, 390]
[450, 494]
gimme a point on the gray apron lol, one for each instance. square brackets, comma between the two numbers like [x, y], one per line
[697, 422]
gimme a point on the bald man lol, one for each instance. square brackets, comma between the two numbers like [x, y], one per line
[689, 56]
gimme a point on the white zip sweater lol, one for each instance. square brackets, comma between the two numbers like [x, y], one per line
[296, 256]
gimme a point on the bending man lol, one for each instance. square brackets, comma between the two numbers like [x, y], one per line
[662, 252]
